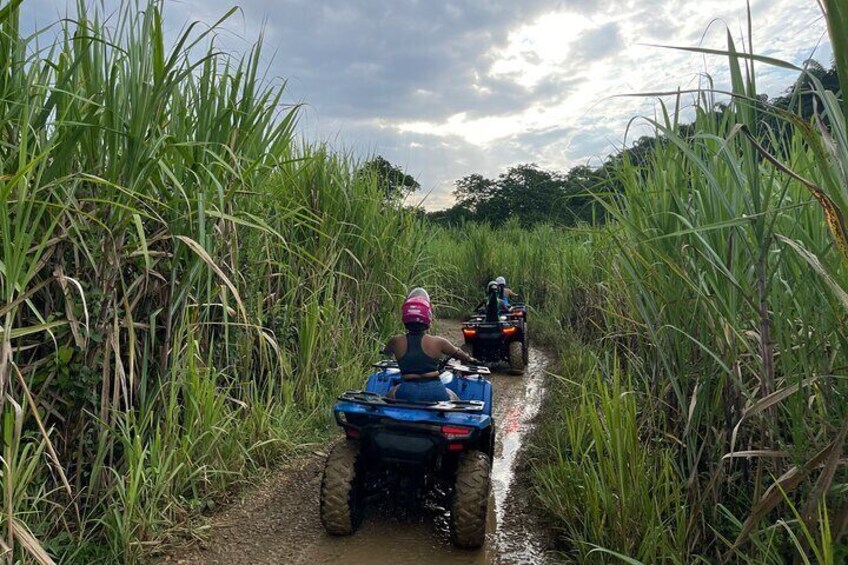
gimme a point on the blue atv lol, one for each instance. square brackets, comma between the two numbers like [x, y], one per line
[448, 441]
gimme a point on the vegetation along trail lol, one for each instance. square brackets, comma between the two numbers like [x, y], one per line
[186, 287]
[278, 521]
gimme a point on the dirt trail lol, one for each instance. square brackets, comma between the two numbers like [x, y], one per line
[278, 521]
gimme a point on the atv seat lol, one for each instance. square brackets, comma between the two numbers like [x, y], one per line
[464, 383]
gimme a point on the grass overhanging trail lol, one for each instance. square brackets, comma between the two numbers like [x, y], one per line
[719, 371]
[184, 286]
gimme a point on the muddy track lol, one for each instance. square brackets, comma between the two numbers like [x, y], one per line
[277, 522]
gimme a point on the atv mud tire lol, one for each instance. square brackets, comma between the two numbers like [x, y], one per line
[341, 486]
[470, 500]
[516, 358]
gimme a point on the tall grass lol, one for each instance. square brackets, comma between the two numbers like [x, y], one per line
[594, 473]
[729, 321]
[553, 269]
[183, 284]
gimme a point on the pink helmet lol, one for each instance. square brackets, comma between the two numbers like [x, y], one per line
[417, 310]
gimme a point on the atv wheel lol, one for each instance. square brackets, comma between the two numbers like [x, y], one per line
[467, 349]
[516, 358]
[470, 500]
[341, 486]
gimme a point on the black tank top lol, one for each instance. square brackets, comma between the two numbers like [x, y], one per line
[492, 308]
[415, 361]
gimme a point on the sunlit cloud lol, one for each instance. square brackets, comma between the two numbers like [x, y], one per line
[541, 48]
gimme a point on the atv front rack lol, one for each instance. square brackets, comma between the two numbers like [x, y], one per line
[467, 369]
[374, 400]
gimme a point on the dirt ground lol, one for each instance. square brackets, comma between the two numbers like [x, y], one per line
[277, 521]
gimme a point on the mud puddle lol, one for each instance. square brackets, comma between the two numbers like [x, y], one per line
[279, 523]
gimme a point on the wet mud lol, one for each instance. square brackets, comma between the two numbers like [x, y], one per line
[278, 521]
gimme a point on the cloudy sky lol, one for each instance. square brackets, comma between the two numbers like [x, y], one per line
[450, 88]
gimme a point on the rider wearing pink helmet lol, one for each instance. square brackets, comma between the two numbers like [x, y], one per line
[416, 310]
[419, 354]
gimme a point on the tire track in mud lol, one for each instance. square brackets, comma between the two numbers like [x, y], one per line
[277, 522]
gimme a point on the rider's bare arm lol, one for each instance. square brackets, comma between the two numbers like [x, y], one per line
[389, 349]
[451, 350]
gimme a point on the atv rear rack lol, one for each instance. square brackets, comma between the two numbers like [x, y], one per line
[387, 364]
[374, 400]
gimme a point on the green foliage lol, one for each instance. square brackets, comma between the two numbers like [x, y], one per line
[597, 476]
[392, 180]
[529, 195]
[836, 14]
[725, 308]
[547, 266]
[182, 287]
[698, 414]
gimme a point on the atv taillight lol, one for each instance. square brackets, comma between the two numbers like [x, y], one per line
[469, 332]
[352, 433]
[456, 432]
[509, 330]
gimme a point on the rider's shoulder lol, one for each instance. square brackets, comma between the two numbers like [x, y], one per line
[435, 339]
